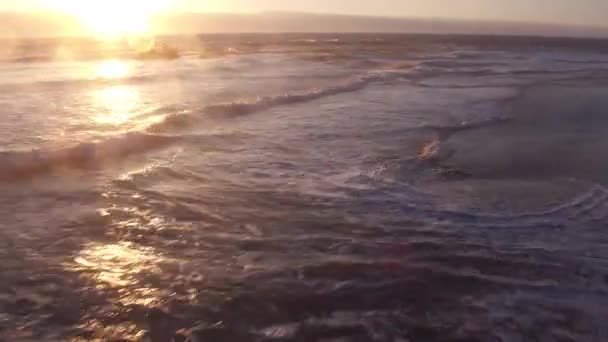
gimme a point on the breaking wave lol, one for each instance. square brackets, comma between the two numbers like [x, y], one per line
[26, 164]
[238, 108]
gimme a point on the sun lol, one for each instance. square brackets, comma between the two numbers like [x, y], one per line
[114, 18]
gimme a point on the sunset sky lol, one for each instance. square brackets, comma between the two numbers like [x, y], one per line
[119, 18]
[587, 12]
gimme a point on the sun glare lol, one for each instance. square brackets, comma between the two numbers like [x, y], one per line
[117, 105]
[114, 18]
[112, 69]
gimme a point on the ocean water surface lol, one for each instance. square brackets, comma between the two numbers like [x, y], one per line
[305, 188]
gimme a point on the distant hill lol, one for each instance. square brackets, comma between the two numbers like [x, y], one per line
[38, 25]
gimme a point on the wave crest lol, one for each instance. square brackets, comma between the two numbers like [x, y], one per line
[238, 108]
[17, 165]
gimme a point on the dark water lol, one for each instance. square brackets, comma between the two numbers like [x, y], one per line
[305, 188]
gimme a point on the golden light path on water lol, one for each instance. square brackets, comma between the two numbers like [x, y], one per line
[131, 274]
[123, 265]
[117, 266]
[113, 69]
[120, 265]
[119, 103]
[114, 104]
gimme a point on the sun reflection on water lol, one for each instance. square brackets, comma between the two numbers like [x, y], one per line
[120, 266]
[117, 104]
[120, 103]
[112, 69]
[115, 263]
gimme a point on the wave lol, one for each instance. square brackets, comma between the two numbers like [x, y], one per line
[75, 83]
[239, 108]
[452, 64]
[18, 165]
[591, 206]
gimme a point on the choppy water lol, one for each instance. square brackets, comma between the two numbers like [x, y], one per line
[305, 188]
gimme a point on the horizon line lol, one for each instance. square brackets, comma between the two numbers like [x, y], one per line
[352, 15]
[377, 24]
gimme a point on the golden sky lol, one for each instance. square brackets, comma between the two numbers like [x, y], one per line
[557, 11]
[119, 17]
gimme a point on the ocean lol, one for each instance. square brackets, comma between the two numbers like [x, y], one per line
[302, 187]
